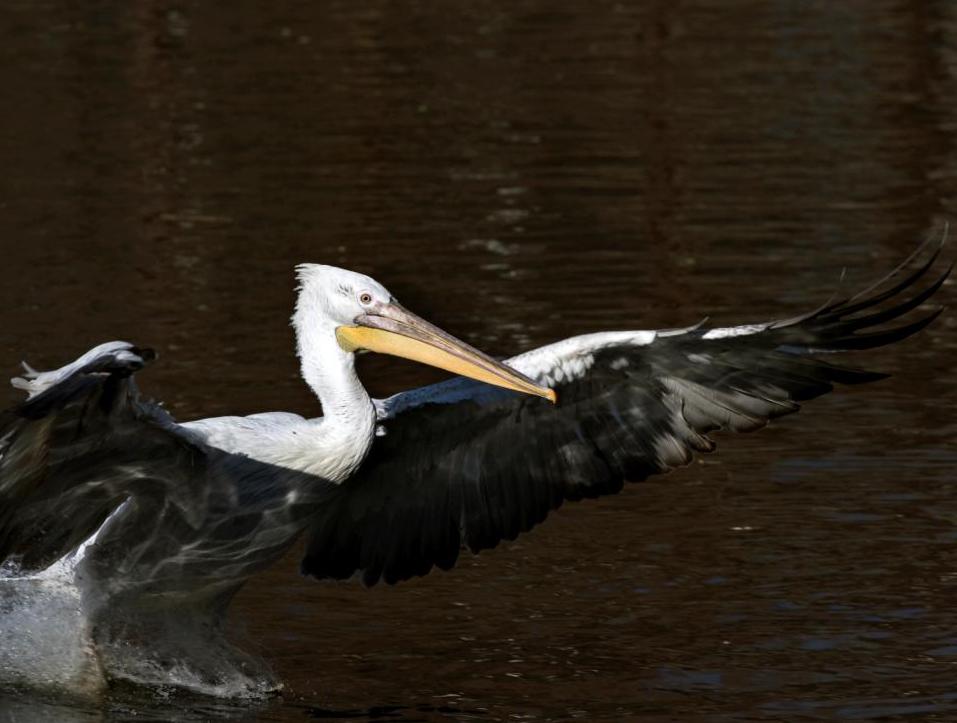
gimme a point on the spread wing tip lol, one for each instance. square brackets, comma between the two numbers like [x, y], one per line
[49, 390]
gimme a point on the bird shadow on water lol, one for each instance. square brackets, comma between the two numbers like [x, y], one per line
[393, 712]
[130, 702]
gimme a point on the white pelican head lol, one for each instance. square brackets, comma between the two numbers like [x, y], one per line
[363, 316]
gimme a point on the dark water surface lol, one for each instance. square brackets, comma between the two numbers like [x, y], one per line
[518, 172]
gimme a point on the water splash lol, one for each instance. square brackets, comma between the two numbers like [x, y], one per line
[51, 640]
[45, 636]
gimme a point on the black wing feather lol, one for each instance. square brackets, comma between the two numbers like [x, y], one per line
[57, 448]
[197, 517]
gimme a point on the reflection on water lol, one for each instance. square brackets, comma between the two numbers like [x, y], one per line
[520, 172]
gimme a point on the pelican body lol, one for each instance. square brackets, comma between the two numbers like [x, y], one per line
[154, 525]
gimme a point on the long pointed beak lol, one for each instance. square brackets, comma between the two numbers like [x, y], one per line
[392, 329]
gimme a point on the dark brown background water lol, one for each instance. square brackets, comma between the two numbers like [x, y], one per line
[518, 172]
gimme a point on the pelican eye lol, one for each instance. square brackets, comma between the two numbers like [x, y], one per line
[365, 298]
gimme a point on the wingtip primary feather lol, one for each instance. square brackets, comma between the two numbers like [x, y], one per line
[916, 274]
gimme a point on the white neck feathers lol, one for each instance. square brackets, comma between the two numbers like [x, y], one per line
[345, 434]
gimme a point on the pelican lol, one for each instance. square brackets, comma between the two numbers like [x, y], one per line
[156, 524]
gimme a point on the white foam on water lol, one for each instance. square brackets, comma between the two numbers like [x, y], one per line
[45, 637]
[47, 644]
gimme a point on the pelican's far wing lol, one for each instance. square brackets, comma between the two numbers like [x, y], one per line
[77, 448]
[464, 465]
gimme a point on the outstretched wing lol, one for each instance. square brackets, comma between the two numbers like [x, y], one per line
[77, 448]
[86, 455]
[466, 465]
